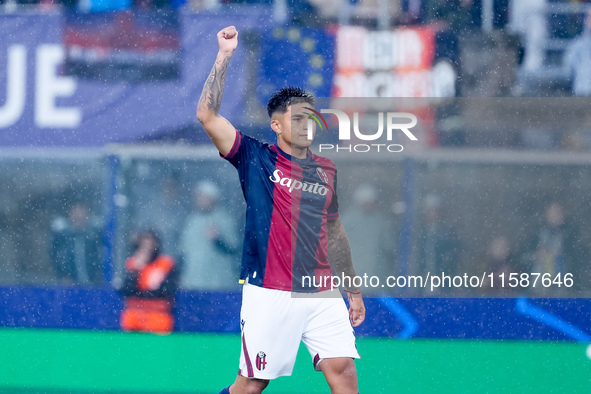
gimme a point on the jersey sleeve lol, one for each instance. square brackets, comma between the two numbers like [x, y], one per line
[244, 146]
[332, 212]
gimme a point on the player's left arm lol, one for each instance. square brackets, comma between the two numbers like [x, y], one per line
[339, 255]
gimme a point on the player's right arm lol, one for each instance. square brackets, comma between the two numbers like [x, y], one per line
[219, 129]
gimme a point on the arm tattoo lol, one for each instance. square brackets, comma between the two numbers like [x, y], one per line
[339, 250]
[213, 90]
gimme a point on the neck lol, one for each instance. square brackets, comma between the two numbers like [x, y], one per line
[300, 153]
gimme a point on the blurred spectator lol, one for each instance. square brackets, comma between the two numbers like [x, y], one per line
[76, 249]
[503, 65]
[437, 244]
[411, 11]
[577, 61]
[149, 287]
[371, 234]
[165, 211]
[554, 242]
[500, 260]
[209, 243]
[303, 13]
[577, 138]
[458, 15]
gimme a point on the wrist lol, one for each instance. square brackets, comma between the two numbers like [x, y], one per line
[223, 53]
[353, 292]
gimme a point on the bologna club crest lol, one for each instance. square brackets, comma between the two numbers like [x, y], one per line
[261, 361]
[322, 175]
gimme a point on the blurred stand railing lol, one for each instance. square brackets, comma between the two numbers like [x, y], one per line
[441, 209]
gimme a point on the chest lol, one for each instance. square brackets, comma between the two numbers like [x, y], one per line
[307, 186]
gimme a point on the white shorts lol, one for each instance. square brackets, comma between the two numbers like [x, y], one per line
[273, 323]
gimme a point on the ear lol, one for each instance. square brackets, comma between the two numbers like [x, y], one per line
[276, 126]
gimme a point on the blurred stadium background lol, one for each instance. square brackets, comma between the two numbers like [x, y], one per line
[97, 103]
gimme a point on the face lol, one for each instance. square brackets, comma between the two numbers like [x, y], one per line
[205, 202]
[78, 215]
[292, 126]
[147, 242]
[555, 215]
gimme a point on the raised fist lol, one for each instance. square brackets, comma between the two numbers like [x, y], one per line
[228, 39]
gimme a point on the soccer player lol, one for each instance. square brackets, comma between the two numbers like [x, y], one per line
[292, 230]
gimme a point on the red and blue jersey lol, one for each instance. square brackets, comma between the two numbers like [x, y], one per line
[288, 203]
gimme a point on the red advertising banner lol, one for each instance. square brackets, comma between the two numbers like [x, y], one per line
[393, 63]
[390, 63]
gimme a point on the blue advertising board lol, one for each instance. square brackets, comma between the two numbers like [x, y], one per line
[41, 106]
[200, 311]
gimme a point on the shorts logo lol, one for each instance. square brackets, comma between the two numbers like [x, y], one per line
[261, 362]
[322, 175]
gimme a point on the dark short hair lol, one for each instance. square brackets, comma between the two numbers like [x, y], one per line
[286, 97]
[140, 234]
